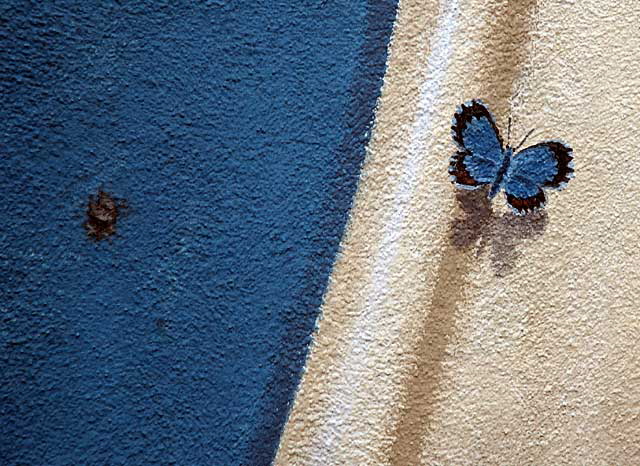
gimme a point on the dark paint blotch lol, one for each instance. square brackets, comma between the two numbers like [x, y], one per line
[103, 211]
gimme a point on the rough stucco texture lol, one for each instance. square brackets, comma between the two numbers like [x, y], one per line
[235, 132]
[453, 332]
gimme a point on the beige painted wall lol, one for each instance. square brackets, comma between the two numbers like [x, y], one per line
[453, 332]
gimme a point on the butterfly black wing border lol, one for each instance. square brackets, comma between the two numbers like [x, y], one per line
[458, 173]
[566, 166]
[525, 205]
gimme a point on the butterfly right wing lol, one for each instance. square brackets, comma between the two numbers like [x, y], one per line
[546, 165]
[480, 151]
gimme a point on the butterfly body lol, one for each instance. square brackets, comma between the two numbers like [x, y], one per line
[482, 160]
[497, 185]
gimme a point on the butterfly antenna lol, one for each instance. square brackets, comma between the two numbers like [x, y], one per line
[509, 132]
[523, 140]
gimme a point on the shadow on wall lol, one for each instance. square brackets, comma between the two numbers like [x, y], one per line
[474, 226]
[502, 234]
[473, 229]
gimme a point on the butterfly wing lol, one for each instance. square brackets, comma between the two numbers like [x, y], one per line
[480, 152]
[545, 165]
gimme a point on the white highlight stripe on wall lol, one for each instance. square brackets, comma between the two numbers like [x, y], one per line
[355, 366]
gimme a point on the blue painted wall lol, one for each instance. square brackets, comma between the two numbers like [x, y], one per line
[235, 131]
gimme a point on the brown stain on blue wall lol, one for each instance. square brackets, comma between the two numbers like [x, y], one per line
[222, 124]
[103, 211]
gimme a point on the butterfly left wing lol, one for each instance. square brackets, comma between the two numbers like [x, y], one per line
[480, 152]
[545, 165]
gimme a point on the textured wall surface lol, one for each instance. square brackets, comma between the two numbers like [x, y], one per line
[453, 332]
[235, 131]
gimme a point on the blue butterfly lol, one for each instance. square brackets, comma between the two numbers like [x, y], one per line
[481, 160]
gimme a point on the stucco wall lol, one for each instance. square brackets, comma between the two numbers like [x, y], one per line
[233, 135]
[453, 332]
[235, 132]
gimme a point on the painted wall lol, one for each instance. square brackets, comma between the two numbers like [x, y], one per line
[273, 163]
[452, 331]
[235, 132]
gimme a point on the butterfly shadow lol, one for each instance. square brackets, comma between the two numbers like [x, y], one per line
[477, 225]
[474, 228]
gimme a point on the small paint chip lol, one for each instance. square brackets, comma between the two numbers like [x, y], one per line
[102, 215]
